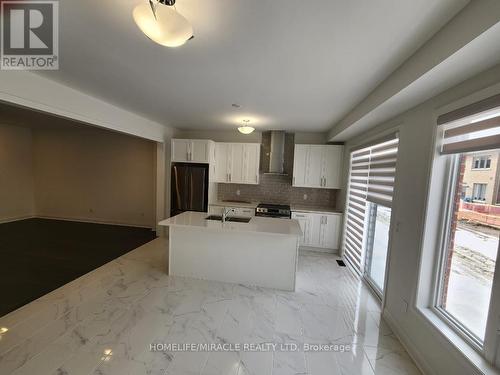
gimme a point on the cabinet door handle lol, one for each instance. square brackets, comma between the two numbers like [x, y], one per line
[230, 177]
[293, 180]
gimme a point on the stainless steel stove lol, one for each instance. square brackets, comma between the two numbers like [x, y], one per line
[273, 210]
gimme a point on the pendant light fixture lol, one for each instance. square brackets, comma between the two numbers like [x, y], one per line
[161, 23]
[246, 129]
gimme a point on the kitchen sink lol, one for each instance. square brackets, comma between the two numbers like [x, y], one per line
[214, 217]
[239, 219]
[230, 218]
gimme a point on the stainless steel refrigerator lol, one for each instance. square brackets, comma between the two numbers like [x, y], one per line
[189, 188]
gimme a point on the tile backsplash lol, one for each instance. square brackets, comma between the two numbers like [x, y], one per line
[279, 190]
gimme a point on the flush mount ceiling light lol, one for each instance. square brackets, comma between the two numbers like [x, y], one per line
[246, 129]
[161, 23]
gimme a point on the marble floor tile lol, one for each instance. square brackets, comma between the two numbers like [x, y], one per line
[130, 317]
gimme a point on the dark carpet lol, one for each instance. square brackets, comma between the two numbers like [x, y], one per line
[40, 255]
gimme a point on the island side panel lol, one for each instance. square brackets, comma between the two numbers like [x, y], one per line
[259, 259]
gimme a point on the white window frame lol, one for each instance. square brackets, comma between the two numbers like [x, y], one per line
[368, 243]
[442, 181]
[486, 158]
[446, 220]
[480, 199]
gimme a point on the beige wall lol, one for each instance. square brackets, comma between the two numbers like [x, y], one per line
[16, 173]
[96, 175]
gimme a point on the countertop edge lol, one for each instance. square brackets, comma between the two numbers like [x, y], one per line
[317, 210]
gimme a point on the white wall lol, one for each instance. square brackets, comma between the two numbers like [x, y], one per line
[417, 128]
[473, 21]
[236, 136]
[16, 173]
[33, 91]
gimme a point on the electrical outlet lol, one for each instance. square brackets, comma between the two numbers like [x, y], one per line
[305, 197]
[404, 306]
[238, 192]
[396, 227]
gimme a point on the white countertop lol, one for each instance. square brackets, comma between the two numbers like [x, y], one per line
[235, 204]
[322, 210]
[256, 224]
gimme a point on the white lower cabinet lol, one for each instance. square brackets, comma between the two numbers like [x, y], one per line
[319, 230]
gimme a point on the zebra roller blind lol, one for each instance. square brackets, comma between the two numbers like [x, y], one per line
[371, 179]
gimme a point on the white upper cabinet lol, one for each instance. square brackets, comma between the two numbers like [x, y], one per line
[317, 166]
[237, 163]
[200, 151]
[300, 165]
[314, 170]
[191, 150]
[222, 159]
[251, 163]
[332, 166]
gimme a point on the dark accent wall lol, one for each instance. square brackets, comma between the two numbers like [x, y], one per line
[278, 189]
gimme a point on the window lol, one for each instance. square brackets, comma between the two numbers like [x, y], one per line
[368, 210]
[377, 245]
[481, 162]
[469, 258]
[468, 237]
[479, 192]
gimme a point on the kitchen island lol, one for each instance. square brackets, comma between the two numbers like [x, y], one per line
[262, 252]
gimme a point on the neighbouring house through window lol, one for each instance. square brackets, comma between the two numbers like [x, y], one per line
[479, 192]
[481, 162]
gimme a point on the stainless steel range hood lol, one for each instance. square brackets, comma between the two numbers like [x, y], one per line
[275, 148]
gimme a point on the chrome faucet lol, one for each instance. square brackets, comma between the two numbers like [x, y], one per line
[225, 212]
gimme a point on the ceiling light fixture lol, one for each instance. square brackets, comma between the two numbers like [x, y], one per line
[246, 129]
[161, 23]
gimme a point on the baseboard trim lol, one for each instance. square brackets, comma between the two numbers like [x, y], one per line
[15, 218]
[411, 349]
[93, 221]
[318, 249]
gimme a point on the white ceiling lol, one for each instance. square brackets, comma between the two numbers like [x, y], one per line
[290, 65]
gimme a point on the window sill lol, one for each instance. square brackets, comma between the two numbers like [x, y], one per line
[468, 351]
